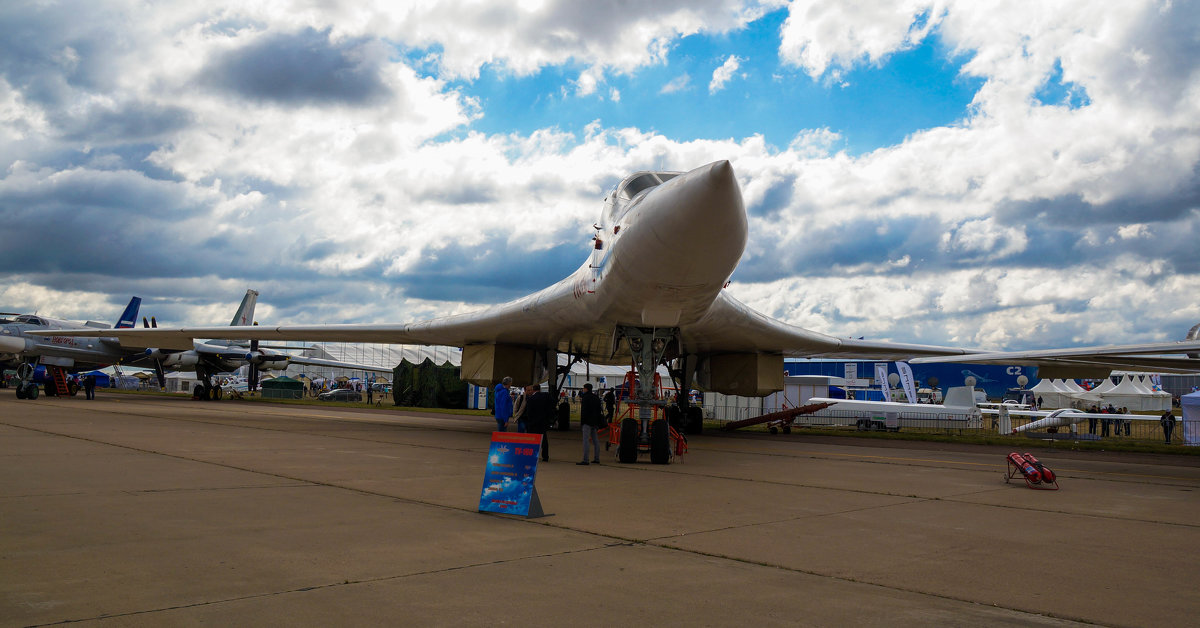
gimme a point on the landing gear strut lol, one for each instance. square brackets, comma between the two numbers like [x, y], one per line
[207, 388]
[650, 431]
[26, 389]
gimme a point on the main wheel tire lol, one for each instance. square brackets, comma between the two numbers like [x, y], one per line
[627, 451]
[21, 391]
[31, 391]
[660, 442]
[216, 393]
[695, 420]
[199, 393]
[72, 388]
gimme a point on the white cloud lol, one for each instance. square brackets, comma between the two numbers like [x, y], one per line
[1019, 225]
[818, 36]
[722, 74]
[679, 83]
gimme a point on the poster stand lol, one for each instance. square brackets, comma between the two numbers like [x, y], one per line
[509, 478]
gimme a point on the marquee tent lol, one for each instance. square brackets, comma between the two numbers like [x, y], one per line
[1191, 419]
[1053, 394]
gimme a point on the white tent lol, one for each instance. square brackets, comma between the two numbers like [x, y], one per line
[1104, 387]
[1052, 394]
[1162, 397]
[1127, 395]
[1191, 419]
[1074, 386]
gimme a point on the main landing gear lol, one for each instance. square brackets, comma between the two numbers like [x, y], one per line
[26, 389]
[207, 389]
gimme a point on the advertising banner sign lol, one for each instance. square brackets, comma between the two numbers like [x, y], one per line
[508, 480]
[881, 379]
[906, 379]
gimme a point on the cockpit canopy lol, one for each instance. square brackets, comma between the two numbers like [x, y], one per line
[639, 181]
[634, 186]
[30, 319]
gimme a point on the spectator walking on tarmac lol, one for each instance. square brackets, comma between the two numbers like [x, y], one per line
[89, 386]
[1168, 424]
[591, 418]
[539, 414]
[503, 403]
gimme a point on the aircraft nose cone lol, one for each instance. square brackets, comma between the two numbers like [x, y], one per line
[704, 219]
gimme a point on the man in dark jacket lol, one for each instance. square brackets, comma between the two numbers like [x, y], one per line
[1168, 425]
[592, 418]
[539, 414]
[610, 404]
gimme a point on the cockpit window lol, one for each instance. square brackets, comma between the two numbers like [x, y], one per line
[637, 184]
[641, 182]
[30, 319]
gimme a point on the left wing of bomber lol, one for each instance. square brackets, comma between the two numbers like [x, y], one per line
[732, 327]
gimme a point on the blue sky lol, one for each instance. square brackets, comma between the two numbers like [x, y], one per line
[871, 106]
[937, 171]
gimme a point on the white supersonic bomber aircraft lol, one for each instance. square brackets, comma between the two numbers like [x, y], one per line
[651, 292]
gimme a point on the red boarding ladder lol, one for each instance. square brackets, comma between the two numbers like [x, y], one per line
[59, 375]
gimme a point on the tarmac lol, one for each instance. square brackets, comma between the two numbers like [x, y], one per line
[149, 511]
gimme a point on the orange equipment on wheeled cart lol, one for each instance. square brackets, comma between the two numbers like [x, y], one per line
[663, 443]
[678, 441]
[1036, 475]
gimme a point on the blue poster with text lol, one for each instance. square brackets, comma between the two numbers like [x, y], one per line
[511, 470]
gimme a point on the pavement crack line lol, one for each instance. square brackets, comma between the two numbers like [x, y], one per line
[330, 585]
[617, 541]
[410, 500]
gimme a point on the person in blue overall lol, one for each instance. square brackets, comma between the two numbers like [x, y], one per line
[504, 404]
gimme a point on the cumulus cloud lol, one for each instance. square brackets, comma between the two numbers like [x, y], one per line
[301, 68]
[722, 74]
[833, 36]
[677, 84]
[327, 155]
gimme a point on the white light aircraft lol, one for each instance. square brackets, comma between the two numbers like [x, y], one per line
[651, 292]
[959, 408]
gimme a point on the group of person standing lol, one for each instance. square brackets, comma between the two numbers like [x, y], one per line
[534, 414]
[533, 411]
[1106, 425]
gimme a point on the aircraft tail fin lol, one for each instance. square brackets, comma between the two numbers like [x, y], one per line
[960, 396]
[245, 312]
[129, 316]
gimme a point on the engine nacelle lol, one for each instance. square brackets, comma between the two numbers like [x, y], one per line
[267, 360]
[744, 374]
[181, 360]
[14, 345]
[484, 365]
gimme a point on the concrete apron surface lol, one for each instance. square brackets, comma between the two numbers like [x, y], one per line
[137, 510]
